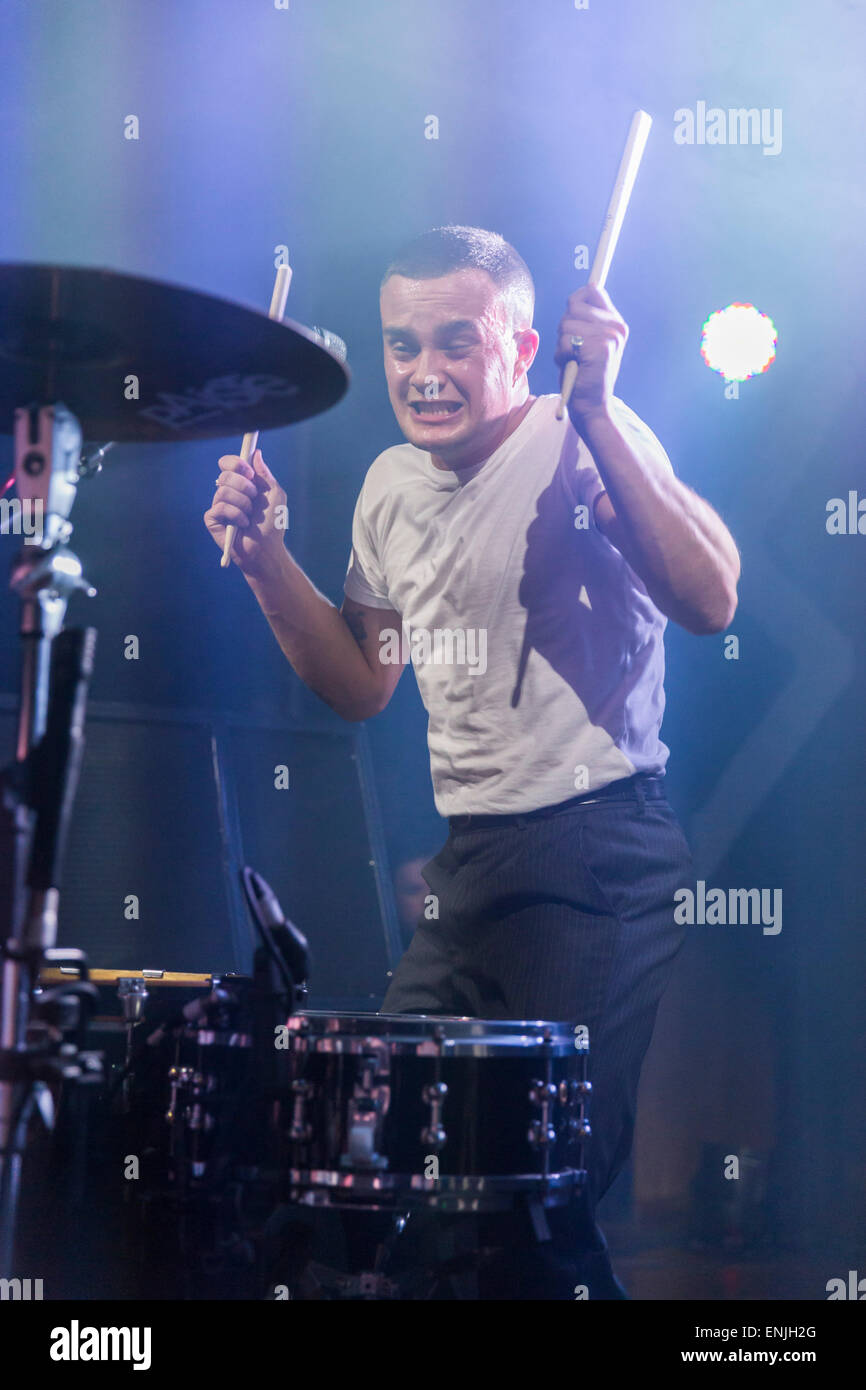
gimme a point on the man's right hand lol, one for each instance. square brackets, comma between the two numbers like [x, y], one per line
[337, 654]
[248, 496]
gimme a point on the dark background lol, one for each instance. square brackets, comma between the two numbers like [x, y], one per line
[306, 127]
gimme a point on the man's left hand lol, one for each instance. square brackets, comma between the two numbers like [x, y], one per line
[590, 315]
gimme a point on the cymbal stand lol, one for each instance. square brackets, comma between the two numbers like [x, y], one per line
[36, 796]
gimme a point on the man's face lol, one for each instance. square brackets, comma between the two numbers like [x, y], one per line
[453, 363]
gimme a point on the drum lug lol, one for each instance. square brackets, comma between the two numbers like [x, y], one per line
[541, 1132]
[433, 1135]
[299, 1129]
[542, 1093]
[178, 1078]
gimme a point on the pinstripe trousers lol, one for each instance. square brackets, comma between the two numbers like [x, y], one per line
[563, 914]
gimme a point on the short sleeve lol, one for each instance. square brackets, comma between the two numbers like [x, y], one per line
[365, 582]
[587, 484]
[633, 424]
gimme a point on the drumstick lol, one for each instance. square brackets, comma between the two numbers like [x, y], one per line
[616, 208]
[248, 447]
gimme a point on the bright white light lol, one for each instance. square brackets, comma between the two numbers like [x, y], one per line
[67, 564]
[738, 341]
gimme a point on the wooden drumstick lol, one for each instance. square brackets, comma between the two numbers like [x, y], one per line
[248, 447]
[616, 208]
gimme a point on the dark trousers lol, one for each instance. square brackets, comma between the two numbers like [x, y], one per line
[565, 914]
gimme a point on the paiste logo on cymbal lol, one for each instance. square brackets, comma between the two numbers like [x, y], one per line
[215, 397]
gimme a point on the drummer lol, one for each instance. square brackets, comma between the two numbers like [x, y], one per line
[560, 548]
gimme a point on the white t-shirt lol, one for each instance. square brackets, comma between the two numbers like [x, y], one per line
[538, 652]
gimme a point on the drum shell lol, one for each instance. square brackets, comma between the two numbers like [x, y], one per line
[513, 1108]
[486, 1114]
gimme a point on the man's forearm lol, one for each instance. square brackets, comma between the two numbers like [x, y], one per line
[315, 638]
[676, 542]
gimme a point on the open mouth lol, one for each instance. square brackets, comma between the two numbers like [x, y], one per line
[435, 409]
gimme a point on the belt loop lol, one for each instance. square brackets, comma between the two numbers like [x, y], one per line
[640, 792]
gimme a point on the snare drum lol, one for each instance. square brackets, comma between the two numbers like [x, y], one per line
[457, 1114]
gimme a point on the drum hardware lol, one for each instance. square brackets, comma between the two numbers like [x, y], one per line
[370, 1098]
[32, 1076]
[367, 1286]
[284, 964]
[471, 1186]
[70, 335]
[183, 979]
[299, 1130]
[367, 1109]
[207, 1079]
[325, 1187]
[541, 1131]
[133, 996]
[433, 1135]
[37, 796]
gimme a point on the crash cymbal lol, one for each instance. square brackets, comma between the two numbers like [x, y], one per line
[203, 367]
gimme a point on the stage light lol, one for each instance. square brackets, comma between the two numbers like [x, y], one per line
[738, 342]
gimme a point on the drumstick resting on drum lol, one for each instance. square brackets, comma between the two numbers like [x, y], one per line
[248, 447]
[629, 165]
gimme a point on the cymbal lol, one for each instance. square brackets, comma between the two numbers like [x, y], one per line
[204, 367]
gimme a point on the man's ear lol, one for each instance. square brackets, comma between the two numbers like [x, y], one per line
[526, 341]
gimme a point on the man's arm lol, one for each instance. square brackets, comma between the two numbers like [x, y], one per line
[335, 653]
[670, 536]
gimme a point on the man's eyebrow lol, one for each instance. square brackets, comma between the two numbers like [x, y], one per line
[456, 326]
[443, 330]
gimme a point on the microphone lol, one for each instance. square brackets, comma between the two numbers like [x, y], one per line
[283, 942]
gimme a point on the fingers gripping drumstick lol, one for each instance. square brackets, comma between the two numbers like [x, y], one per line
[248, 447]
[629, 165]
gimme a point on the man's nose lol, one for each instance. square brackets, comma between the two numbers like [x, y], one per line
[428, 367]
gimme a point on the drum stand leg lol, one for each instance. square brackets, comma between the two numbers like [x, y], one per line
[37, 791]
